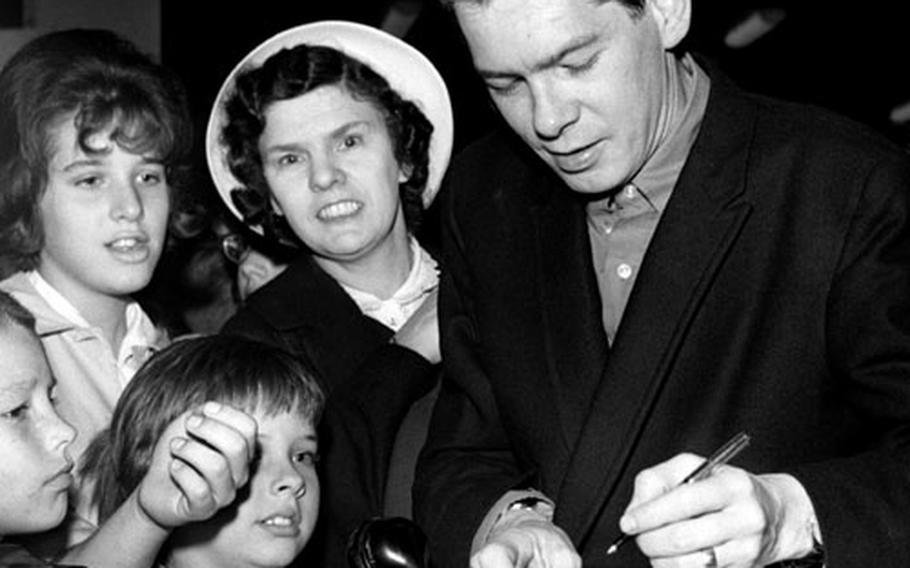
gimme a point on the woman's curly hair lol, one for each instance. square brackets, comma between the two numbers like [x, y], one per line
[293, 72]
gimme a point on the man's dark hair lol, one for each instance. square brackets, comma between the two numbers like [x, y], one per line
[636, 6]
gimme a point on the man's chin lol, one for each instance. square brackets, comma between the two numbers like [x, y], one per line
[592, 181]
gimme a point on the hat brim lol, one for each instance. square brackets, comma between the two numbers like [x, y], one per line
[406, 69]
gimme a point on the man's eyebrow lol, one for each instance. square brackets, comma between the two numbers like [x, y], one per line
[576, 44]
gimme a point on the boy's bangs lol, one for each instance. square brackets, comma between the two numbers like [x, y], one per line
[277, 393]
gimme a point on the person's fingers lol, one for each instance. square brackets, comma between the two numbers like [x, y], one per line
[531, 543]
[723, 510]
[688, 535]
[661, 479]
[239, 420]
[210, 465]
[705, 558]
[227, 433]
[685, 501]
[493, 556]
[196, 499]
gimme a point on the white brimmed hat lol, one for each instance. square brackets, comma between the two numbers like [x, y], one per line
[407, 70]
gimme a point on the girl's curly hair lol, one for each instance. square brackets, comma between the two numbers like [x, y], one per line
[105, 82]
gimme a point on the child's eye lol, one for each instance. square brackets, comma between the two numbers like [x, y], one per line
[151, 178]
[16, 414]
[288, 160]
[89, 182]
[306, 458]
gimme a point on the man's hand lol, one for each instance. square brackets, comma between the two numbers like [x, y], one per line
[198, 465]
[733, 518]
[525, 539]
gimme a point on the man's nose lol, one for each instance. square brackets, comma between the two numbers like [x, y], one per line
[554, 110]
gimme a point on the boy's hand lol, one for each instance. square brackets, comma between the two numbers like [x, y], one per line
[198, 465]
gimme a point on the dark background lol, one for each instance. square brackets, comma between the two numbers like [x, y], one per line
[851, 60]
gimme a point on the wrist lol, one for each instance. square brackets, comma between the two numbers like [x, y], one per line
[531, 509]
[793, 533]
[141, 515]
[514, 506]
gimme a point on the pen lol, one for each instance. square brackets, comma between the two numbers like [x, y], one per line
[723, 455]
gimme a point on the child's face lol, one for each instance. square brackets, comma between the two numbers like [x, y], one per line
[104, 216]
[274, 516]
[35, 466]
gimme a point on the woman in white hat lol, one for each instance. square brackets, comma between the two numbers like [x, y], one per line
[334, 136]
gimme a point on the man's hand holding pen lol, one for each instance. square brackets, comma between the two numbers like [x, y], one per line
[686, 511]
[729, 518]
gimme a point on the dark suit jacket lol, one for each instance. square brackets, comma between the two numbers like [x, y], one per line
[774, 298]
[370, 387]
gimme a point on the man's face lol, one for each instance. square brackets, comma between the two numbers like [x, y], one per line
[581, 82]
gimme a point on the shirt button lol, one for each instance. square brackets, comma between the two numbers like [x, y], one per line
[608, 229]
[629, 190]
[624, 271]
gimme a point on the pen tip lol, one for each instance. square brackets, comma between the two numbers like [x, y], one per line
[613, 548]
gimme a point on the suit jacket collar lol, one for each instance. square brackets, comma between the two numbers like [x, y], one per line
[304, 295]
[706, 214]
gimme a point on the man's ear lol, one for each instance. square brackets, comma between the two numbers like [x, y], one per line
[673, 18]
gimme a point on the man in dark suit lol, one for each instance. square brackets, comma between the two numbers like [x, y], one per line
[649, 262]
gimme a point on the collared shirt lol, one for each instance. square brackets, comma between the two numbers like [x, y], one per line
[397, 309]
[139, 342]
[621, 225]
[89, 376]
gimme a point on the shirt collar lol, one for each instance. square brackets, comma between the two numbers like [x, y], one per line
[141, 339]
[393, 312]
[56, 300]
[687, 99]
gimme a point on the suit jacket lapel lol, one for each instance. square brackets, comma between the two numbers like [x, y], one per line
[568, 286]
[706, 214]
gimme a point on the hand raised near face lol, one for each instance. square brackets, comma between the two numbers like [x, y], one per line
[198, 465]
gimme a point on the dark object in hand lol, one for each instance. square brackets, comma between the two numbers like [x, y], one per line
[393, 542]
